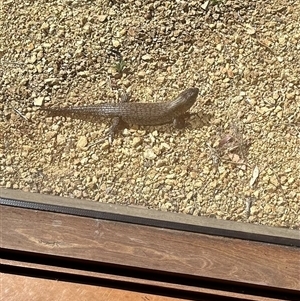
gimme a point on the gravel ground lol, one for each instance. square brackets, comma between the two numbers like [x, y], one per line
[237, 160]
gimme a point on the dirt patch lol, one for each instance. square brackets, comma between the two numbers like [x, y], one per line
[237, 160]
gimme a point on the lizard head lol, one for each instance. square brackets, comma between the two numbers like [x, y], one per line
[184, 100]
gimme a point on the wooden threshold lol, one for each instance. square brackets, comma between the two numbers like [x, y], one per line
[27, 288]
[141, 259]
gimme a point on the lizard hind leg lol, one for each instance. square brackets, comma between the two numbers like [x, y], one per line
[117, 124]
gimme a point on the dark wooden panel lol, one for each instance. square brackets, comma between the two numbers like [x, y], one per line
[140, 215]
[41, 267]
[152, 248]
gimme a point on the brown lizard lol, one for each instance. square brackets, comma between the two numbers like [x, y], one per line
[137, 113]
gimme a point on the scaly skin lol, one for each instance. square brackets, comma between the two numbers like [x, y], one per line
[137, 113]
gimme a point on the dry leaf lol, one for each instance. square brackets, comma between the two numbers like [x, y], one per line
[235, 158]
[250, 30]
[254, 175]
[266, 42]
[225, 140]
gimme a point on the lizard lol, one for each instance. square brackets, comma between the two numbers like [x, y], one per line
[136, 113]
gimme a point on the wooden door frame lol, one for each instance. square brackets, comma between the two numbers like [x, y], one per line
[140, 250]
